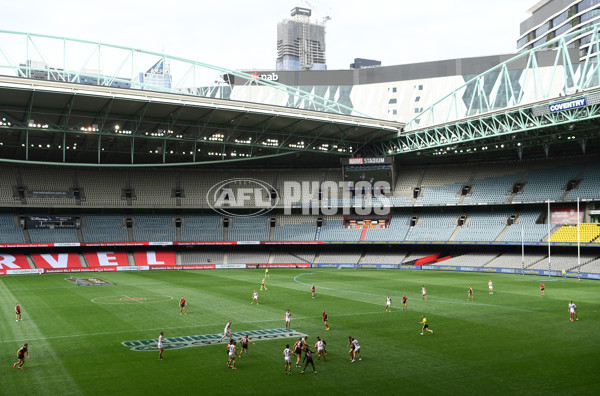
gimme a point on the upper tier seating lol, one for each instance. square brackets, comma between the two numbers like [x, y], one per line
[433, 227]
[493, 184]
[202, 228]
[589, 188]
[295, 228]
[10, 233]
[154, 228]
[442, 185]
[53, 235]
[333, 230]
[532, 232]
[104, 228]
[396, 231]
[482, 226]
[50, 181]
[156, 188]
[255, 228]
[548, 183]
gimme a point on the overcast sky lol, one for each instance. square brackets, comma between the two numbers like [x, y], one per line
[242, 34]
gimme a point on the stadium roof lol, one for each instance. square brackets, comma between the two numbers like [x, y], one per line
[71, 115]
[54, 122]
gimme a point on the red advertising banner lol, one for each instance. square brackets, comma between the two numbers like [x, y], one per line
[81, 269]
[13, 261]
[56, 260]
[16, 245]
[106, 259]
[566, 215]
[110, 244]
[154, 258]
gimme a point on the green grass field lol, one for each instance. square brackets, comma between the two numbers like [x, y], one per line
[512, 342]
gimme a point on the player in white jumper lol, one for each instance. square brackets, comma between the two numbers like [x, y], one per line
[287, 356]
[255, 297]
[491, 287]
[423, 293]
[288, 319]
[160, 345]
[388, 304]
[226, 331]
[354, 349]
[320, 345]
[231, 349]
[573, 311]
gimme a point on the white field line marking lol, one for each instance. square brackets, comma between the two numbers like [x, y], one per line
[68, 386]
[186, 327]
[95, 300]
[418, 300]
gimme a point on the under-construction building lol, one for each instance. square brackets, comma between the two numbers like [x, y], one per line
[300, 44]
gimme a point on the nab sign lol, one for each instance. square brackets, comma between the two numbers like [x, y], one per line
[268, 76]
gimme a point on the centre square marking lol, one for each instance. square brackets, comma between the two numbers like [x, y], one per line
[89, 281]
[210, 339]
[133, 299]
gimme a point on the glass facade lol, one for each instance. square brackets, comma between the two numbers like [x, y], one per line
[563, 29]
[585, 4]
[590, 15]
[541, 30]
[522, 41]
[560, 19]
[566, 18]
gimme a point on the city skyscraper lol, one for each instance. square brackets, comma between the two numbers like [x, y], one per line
[553, 18]
[300, 43]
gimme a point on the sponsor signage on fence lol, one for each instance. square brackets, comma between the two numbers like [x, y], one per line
[566, 215]
[331, 265]
[48, 194]
[181, 267]
[76, 270]
[24, 271]
[380, 266]
[406, 266]
[276, 265]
